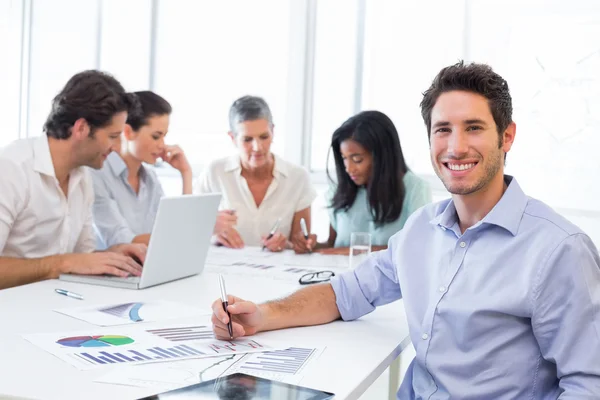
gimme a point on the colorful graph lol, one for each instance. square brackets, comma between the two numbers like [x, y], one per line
[95, 341]
[129, 356]
[130, 311]
[184, 334]
[228, 347]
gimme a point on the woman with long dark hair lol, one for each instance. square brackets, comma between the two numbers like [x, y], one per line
[374, 192]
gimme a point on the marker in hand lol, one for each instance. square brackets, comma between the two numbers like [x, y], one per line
[305, 232]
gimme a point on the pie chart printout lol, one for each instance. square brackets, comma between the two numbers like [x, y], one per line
[95, 341]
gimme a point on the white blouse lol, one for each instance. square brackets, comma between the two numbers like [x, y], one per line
[289, 192]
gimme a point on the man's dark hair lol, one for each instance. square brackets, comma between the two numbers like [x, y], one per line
[93, 95]
[151, 105]
[475, 78]
[374, 131]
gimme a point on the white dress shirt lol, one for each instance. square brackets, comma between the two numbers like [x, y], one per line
[36, 219]
[289, 192]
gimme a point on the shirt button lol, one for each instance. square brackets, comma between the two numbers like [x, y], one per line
[424, 336]
[443, 228]
[442, 289]
[463, 244]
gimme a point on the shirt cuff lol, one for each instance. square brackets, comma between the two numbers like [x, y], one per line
[350, 300]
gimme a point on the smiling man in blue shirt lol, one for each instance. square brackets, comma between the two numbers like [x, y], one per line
[501, 293]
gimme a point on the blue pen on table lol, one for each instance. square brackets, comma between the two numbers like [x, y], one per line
[273, 231]
[305, 231]
[225, 304]
[69, 294]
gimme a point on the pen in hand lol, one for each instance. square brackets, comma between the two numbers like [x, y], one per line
[305, 232]
[225, 304]
[69, 294]
[273, 231]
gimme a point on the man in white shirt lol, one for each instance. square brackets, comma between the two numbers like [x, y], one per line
[46, 194]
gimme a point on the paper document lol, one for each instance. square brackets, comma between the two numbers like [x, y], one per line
[255, 255]
[168, 376]
[128, 313]
[287, 365]
[104, 347]
[251, 254]
[317, 260]
[280, 365]
[283, 273]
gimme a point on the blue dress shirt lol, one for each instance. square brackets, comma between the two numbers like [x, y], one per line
[508, 310]
[120, 214]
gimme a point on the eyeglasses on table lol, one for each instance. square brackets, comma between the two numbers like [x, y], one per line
[316, 277]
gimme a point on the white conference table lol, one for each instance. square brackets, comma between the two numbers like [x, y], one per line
[356, 354]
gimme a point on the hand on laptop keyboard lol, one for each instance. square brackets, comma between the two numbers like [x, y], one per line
[99, 263]
[137, 251]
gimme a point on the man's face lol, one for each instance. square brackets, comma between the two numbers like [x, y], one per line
[94, 150]
[465, 149]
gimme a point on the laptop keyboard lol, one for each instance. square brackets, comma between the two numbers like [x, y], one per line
[131, 279]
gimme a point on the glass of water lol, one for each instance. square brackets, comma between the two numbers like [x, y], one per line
[360, 248]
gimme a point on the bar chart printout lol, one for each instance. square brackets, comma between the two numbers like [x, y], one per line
[184, 333]
[109, 347]
[281, 365]
[156, 353]
[289, 365]
[238, 346]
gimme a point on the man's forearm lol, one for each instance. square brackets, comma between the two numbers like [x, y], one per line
[313, 305]
[21, 271]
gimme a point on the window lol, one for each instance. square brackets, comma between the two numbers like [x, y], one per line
[549, 53]
[406, 44]
[64, 41]
[11, 24]
[334, 74]
[125, 41]
[207, 55]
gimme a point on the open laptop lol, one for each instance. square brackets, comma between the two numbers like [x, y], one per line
[178, 245]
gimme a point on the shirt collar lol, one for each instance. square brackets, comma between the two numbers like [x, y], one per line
[42, 159]
[280, 168]
[116, 163]
[507, 213]
[118, 166]
[233, 163]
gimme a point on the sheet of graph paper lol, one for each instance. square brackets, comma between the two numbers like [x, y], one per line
[120, 346]
[289, 366]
